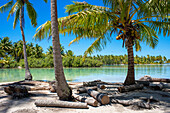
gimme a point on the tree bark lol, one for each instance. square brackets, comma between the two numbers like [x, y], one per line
[28, 75]
[59, 103]
[63, 90]
[130, 78]
[100, 97]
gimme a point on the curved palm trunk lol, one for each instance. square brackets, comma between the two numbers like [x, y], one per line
[28, 75]
[130, 78]
[63, 89]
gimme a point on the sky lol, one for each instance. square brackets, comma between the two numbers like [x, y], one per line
[43, 10]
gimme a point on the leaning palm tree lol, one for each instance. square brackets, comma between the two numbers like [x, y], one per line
[63, 90]
[17, 7]
[134, 21]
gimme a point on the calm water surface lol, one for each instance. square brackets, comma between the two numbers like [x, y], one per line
[109, 74]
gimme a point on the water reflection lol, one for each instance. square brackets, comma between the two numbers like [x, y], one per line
[109, 73]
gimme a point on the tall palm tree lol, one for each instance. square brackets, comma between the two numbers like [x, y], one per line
[134, 21]
[63, 89]
[17, 7]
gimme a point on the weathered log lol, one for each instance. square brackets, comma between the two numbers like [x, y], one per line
[52, 86]
[37, 88]
[59, 103]
[130, 102]
[90, 101]
[96, 82]
[130, 88]
[100, 97]
[166, 90]
[84, 89]
[156, 85]
[150, 99]
[149, 78]
[101, 86]
[16, 91]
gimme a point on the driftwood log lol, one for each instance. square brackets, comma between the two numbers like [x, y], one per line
[140, 104]
[84, 89]
[16, 91]
[100, 97]
[150, 79]
[96, 82]
[53, 86]
[130, 88]
[156, 85]
[59, 103]
[90, 101]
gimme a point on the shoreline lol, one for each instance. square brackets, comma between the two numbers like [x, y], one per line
[90, 67]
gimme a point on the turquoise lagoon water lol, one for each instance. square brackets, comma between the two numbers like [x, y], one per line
[106, 73]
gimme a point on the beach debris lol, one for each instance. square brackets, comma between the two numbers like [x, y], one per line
[140, 104]
[156, 85]
[16, 91]
[89, 100]
[149, 78]
[96, 82]
[84, 89]
[100, 97]
[59, 103]
[130, 87]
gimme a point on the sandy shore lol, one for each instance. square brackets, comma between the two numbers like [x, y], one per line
[26, 105]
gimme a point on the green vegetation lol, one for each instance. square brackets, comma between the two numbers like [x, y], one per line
[12, 57]
[132, 21]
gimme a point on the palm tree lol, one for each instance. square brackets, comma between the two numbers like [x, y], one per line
[63, 90]
[134, 21]
[18, 50]
[17, 7]
[5, 46]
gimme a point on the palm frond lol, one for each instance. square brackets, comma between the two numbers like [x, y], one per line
[43, 31]
[13, 10]
[148, 35]
[31, 13]
[6, 7]
[16, 18]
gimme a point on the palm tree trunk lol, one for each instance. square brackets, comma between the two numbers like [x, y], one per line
[63, 90]
[130, 78]
[28, 75]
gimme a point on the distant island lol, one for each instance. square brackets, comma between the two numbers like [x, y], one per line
[12, 57]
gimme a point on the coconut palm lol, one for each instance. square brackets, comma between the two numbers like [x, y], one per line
[5, 46]
[63, 89]
[17, 7]
[134, 21]
[18, 50]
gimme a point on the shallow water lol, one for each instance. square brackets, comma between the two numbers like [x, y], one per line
[109, 73]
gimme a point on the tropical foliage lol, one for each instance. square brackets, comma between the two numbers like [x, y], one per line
[134, 21]
[13, 57]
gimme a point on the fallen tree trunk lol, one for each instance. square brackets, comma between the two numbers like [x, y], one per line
[166, 90]
[96, 82]
[100, 86]
[149, 78]
[16, 91]
[156, 85]
[84, 89]
[59, 103]
[89, 101]
[130, 88]
[100, 97]
[130, 102]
